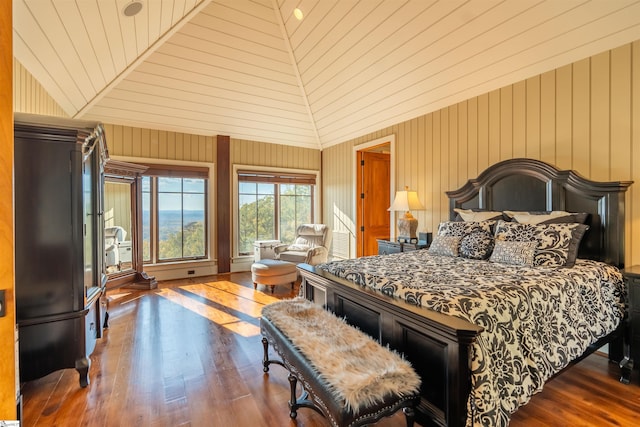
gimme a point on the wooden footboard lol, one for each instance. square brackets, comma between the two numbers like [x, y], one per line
[438, 346]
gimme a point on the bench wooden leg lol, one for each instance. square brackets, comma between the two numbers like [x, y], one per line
[265, 358]
[409, 415]
[293, 403]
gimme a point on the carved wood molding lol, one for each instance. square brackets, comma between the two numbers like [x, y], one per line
[560, 190]
[120, 169]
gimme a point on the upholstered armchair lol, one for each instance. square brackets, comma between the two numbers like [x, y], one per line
[112, 237]
[311, 245]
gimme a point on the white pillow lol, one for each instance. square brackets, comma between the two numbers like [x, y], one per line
[528, 218]
[302, 248]
[477, 216]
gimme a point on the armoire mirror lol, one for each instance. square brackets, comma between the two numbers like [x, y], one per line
[117, 225]
[122, 225]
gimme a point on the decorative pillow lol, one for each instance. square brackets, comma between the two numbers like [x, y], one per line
[546, 217]
[578, 217]
[534, 217]
[295, 247]
[576, 238]
[445, 245]
[514, 253]
[457, 228]
[554, 240]
[477, 215]
[477, 245]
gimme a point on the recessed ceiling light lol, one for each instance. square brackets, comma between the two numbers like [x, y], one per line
[132, 8]
[298, 14]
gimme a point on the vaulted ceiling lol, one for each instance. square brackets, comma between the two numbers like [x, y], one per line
[251, 70]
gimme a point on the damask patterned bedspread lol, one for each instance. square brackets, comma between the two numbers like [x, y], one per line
[536, 320]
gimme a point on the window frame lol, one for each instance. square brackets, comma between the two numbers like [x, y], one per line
[237, 168]
[183, 172]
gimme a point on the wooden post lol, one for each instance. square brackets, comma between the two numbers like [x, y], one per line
[223, 205]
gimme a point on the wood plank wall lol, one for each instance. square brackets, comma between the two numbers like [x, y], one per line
[8, 322]
[584, 116]
[30, 97]
[157, 144]
[117, 206]
[252, 153]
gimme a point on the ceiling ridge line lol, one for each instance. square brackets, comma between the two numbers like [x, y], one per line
[141, 58]
[294, 64]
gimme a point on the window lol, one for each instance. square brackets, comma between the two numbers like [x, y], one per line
[174, 214]
[271, 206]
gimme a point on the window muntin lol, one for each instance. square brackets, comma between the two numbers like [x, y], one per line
[146, 218]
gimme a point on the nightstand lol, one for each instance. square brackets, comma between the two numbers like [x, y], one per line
[386, 247]
[632, 335]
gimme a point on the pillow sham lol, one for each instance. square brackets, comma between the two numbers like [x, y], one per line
[578, 217]
[462, 228]
[477, 215]
[555, 242]
[476, 245]
[514, 253]
[535, 217]
[445, 245]
[546, 217]
[576, 237]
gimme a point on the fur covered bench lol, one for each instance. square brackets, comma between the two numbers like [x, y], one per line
[347, 377]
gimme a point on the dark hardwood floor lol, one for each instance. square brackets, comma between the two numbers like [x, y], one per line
[189, 354]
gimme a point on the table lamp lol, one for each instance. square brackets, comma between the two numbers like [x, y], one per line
[406, 201]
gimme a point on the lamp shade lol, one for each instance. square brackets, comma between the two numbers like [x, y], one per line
[406, 201]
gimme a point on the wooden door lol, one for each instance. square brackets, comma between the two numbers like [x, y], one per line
[373, 188]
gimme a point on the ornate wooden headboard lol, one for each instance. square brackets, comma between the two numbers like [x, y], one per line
[533, 185]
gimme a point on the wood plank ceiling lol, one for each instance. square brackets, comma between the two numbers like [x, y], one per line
[251, 70]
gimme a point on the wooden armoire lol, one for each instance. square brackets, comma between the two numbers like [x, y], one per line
[59, 244]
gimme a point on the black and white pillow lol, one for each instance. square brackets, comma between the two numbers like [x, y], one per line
[462, 228]
[555, 242]
[445, 245]
[476, 245]
[514, 252]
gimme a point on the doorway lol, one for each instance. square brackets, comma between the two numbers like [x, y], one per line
[373, 179]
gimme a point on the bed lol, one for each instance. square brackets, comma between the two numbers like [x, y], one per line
[486, 335]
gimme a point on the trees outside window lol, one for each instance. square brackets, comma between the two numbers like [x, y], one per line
[257, 218]
[272, 210]
[295, 209]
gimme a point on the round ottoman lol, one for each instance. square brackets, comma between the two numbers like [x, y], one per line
[272, 272]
